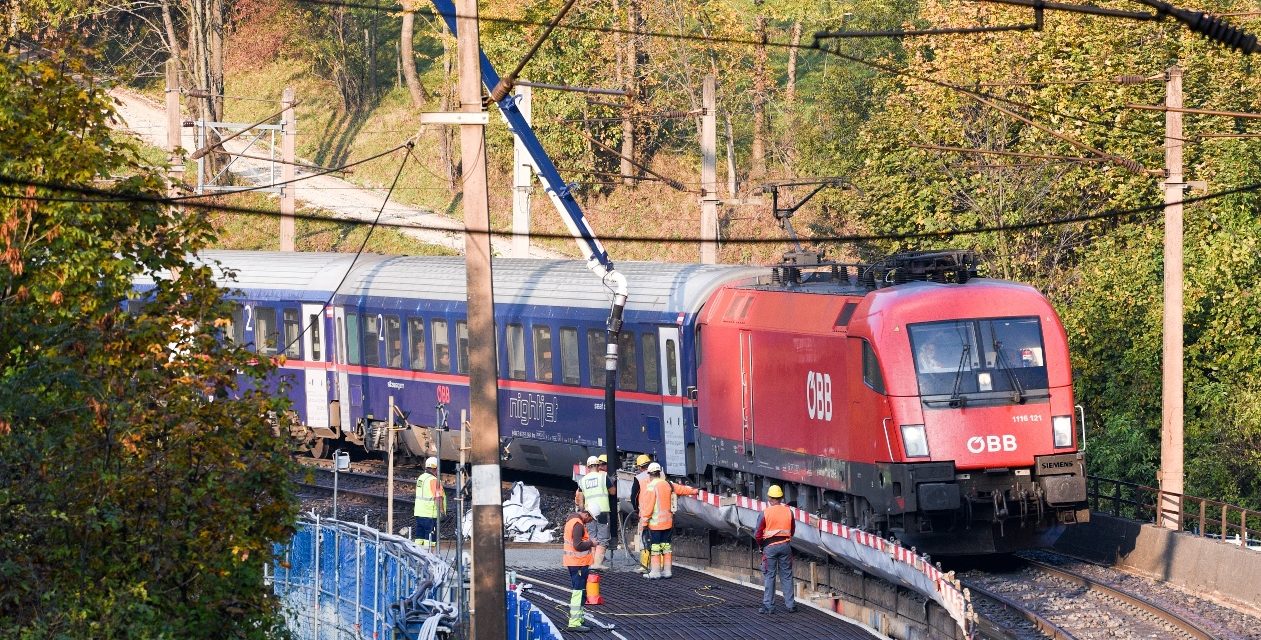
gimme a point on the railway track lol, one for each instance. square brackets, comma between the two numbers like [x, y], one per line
[1043, 601]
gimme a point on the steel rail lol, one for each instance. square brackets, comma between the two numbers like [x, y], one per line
[1050, 629]
[1186, 626]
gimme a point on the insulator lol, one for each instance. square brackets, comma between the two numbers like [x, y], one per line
[1213, 28]
[1129, 163]
[1129, 79]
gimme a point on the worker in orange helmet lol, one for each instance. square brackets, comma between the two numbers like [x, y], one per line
[656, 512]
[577, 560]
[775, 528]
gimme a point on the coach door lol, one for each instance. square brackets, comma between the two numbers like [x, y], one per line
[675, 442]
[343, 381]
[315, 346]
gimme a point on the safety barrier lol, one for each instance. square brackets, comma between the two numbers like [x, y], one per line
[341, 580]
[877, 556]
[526, 621]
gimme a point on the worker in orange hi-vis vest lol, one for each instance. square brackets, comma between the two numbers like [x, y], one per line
[775, 528]
[656, 512]
[578, 560]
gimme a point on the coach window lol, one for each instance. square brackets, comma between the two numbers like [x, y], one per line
[871, 369]
[393, 342]
[627, 364]
[416, 343]
[371, 336]
[235, 331]
[516, 351]
[441, 347]
[315, 337]
[652, 364]
[293, 333]
[542, 354]
[672, 368]
[461, 341]
[265, 331]
[596, 345]
[354, 339]
[569, 360]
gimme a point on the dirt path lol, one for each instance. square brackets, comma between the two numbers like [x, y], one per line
[148, 120]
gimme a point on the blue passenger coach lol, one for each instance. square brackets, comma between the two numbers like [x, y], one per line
[397, 326]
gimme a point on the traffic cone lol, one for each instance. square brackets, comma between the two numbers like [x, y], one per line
[593, 589]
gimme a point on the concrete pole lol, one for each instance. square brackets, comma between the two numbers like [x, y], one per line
[174, 125]
[288, 170]
[487, 616]
[522, 174]
[1171, 473]
[709, 172]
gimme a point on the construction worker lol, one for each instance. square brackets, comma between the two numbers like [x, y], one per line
[431, 503]
[641, 481]
[656, 512]
[595, 494]
[775, 528]
[578, 560]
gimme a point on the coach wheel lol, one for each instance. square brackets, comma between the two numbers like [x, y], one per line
[320, 448]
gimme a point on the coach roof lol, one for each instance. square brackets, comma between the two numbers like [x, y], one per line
[654, 286]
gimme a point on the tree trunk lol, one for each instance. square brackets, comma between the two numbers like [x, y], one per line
[632, 88]
[449, 169]
[408, 57]
[168, 22]
[205, 52]
[790, 91]
[757, 169]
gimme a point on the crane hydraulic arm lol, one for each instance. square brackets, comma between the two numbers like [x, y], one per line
[562, 198]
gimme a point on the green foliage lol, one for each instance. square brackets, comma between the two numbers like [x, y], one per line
[1105, 276]
[132, 505]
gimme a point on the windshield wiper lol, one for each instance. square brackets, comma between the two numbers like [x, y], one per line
[955, 399]
[1018, 392]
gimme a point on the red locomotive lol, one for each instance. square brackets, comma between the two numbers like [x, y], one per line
[908, 397]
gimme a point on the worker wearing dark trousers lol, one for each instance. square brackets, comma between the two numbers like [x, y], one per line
[578, 560]
[775, 528]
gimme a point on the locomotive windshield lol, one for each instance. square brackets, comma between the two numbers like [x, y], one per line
[978, 359]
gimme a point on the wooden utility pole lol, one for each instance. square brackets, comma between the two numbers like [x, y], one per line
[174, 126]
[1171, 472]
[486, 612]
[709, 171]
[522, 174]
[288, 170]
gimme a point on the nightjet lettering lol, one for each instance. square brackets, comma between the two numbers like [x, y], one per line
[532, 407]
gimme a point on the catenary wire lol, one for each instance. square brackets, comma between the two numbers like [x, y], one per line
[836, 239]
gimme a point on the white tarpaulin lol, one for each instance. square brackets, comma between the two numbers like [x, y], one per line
[523, 520]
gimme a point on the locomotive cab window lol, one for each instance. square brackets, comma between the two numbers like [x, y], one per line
[983, 359]
[871, 369]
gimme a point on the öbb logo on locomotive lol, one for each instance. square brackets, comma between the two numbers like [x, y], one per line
[903, 361]
[978, 444]
[819, 396]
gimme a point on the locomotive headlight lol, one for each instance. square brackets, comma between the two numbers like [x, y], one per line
[914, 440]
[1062, 430]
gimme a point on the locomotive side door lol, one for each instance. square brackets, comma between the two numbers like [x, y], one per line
[672, 401]
[315, 347]
[746, 391]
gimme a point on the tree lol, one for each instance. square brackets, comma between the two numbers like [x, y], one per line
[138, 497]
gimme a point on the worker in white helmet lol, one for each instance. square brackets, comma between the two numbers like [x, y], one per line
[431, 503]
[596, 494]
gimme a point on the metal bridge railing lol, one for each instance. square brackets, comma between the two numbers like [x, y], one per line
[1200, 516]
[347, 581]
